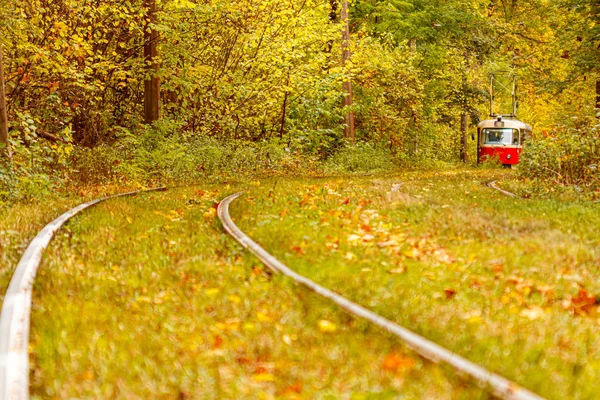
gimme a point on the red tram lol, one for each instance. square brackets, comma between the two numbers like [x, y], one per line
[503, 136]
[502, 139]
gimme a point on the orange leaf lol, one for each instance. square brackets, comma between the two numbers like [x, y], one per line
[449, 293]
[298, 250]
[218, 342]
[394, 362]
[582, 304]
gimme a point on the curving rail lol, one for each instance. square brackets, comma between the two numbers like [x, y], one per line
[14, 318]
[492, 184]
[501, 386]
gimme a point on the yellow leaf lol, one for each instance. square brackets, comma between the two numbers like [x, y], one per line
[210, 213]
[235, 299]
[412, 253]
[144, 299]
[265, 377]
[327, 326]
[263, 317]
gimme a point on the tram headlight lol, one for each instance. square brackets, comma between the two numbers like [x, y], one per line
[508, 157]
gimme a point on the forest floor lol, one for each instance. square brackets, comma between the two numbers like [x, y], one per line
[147, 297]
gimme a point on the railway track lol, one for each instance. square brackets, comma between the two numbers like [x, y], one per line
[493, 185]
[15, 315]
[16, 308]
[501, 386]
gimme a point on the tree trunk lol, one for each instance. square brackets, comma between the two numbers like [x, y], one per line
[347, 85]
[597, 98]
[152, 82]
[333, 17]
[283, 112]
[463, 137]
[3, 114]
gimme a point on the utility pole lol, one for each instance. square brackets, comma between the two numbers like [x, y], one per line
[152, 81]
[3, 114]
[347, 84]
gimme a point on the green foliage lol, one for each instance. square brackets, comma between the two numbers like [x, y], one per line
[361, 157]
[237, 77]
[161, 154]
[38, 166]
[569, 156]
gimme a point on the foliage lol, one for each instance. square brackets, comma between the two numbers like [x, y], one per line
[361, 157]
[236, 75]
[570, 155]
[38, 167]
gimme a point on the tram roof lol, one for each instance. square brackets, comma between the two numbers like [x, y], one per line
[508, 123]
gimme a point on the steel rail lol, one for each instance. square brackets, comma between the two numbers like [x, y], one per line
[16, 309]
[501, 386]
[492, 184]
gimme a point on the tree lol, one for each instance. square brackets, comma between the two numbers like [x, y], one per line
[152, 81]
[347, 84]
[3, 113]
[581, 40]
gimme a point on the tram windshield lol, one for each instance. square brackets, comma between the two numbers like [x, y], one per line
[505, 136]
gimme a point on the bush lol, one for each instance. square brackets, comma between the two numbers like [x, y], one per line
[569, 156]
[360, 157]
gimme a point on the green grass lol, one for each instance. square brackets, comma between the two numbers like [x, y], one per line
[18, 225]
[146, 297]
[508, 283]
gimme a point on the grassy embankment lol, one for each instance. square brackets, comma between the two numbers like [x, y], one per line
[146, 297]
[511, 284]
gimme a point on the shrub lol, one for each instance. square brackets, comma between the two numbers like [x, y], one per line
[569, 156]
[360, 157]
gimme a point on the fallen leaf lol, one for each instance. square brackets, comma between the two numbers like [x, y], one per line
[295, 388]
[368, 238]
[263, 377]
[327, 326]
[297, 249]
[449, 293]
[397, 271]
[533, 312]
[210, 213]
[388, 243]
[582, 304]
[412, 253]
[263, 317]
[218, 342]
[394, 362]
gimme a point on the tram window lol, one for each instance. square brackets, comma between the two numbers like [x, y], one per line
[501, 136]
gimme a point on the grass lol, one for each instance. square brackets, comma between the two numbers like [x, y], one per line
[507, 283]
[18, 225]
[146, 297]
